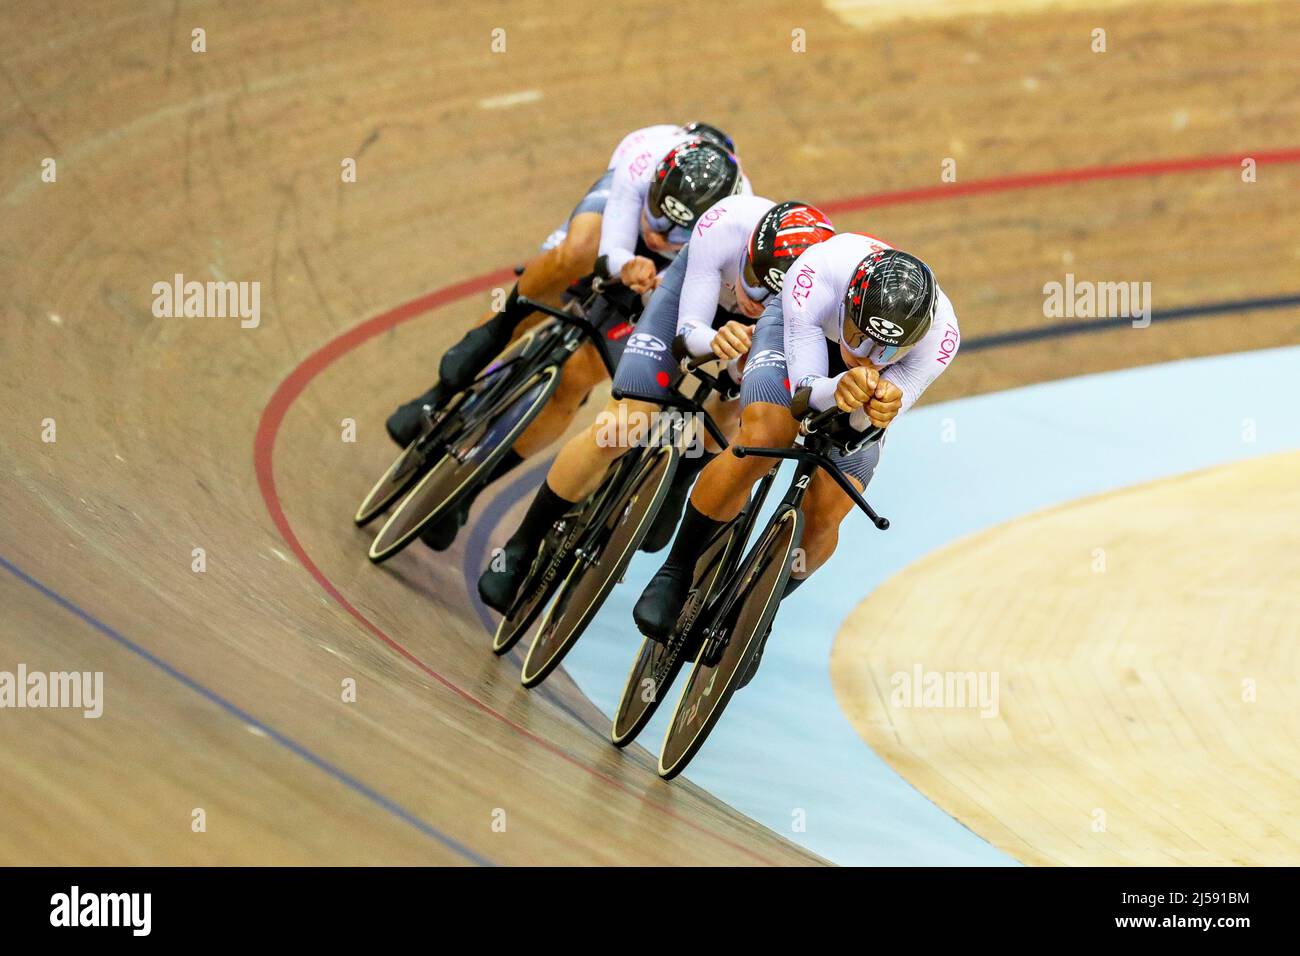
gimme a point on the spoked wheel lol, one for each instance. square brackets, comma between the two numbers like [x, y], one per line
[658, 663]
[415, 458]
[742, 617]
[594, 575]
[470, 454]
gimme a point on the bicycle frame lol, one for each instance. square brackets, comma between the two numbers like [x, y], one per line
[735, 556]
[534, 356]
[580, 323]
[585, 543]
[628, 462]
[811, 456]
[532, 360]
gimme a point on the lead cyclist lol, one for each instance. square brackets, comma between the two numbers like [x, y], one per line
[866, 328]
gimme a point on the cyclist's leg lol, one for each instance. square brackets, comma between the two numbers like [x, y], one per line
[826, 505]
[545, 277]
[824, 509]
[545, 280]
[724, 485]
[577, 472]
[585, 457]
[581, 373]
[645, 368]
[698, 457]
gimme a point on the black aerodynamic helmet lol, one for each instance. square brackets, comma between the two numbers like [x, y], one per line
[688, 181]
[780, 237]
[711, 134]
[888, 307]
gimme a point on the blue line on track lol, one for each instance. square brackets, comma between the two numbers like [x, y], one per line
[1084, 326]
[212, 696]
[492, 516]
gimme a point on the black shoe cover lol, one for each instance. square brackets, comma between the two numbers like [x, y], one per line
[497, 588]
[660, 604]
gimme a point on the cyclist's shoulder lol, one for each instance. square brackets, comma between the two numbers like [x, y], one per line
[944, 313]
[643, 138]
[730, 217]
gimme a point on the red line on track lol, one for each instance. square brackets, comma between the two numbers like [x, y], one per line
[1059, 177]
[296, 382]
[263, 456]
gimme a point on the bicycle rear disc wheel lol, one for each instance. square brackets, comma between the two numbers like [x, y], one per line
[757, 595]
[588, 585]
[413, 461]
[472, 454]
[657, 663]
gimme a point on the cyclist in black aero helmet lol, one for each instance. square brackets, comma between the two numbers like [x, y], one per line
[688, 180]
[865, 328]
[888, 306]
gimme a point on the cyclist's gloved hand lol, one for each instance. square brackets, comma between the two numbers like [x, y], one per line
[732, 340]
[639, 274]
[856, 387]
[886, 402]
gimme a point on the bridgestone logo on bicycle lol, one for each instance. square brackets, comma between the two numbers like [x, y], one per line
[628, 428]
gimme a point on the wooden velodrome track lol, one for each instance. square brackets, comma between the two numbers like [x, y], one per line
[223, 687]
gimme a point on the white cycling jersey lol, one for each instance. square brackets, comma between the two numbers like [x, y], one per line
[810, 304]
[633, 174]
[635, 140]
[717, 246]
